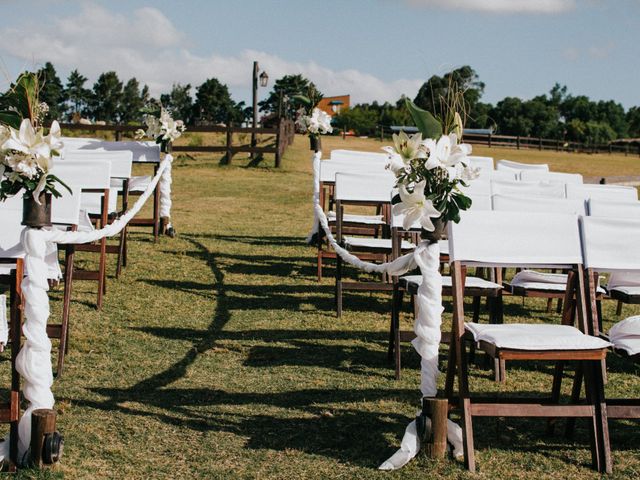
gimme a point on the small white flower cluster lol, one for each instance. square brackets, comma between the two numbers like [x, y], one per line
[418, 164]
[318, 122]
[163, 129]
[446, 153]
[26, 154]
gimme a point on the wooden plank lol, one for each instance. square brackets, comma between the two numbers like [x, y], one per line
[529, 410]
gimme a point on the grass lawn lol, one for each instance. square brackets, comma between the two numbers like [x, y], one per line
[218, 355]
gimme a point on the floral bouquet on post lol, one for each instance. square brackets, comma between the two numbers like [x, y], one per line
[430, 167]
[312, 120]
[26, 153]
[163, 129]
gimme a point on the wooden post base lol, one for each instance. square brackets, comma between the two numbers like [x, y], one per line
[436, 409]
[46, 443]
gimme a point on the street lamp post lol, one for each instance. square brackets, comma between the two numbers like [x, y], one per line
[264, 78]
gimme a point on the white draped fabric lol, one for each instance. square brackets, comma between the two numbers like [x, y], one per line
[428, 319]
[34, 360]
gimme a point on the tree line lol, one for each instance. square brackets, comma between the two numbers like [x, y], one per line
[555, 115]
[112, 100]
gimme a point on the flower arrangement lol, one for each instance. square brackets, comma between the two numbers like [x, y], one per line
[163, 129]
[310, 119]
[26, 153]
[430, 171]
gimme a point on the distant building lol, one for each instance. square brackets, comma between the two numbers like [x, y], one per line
[333, 105]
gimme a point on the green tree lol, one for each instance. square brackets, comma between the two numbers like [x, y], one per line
[613, 114]
[288, 86]
[362, 119]
[214, 104]
[51, 91]
[510, 118]
[131, 102]
[179, 101]
[633, 120]
[78, 97]
[432, 93]
[107, 95]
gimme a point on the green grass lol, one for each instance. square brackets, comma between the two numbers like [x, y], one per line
[218, 355]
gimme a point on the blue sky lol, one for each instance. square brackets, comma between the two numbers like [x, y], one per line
[371, 49]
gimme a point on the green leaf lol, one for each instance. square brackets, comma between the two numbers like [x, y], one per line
[428, 125]
[53, 177]
[303, 99]
[10, 118]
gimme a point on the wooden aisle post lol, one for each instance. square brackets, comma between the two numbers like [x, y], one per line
[43, 421]
[436, 409]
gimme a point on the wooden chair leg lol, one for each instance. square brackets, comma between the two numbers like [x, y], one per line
[549, 304]
[102, 277]
[619, 308]
[120, 261]
[339, 286]
[320, 259]
[476, 319]
[396, 334]
[63, 348]
[575, 398]
[555, 393]
[598, 427]
[156, 214]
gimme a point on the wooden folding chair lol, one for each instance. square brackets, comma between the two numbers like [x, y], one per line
[11, 274]
[507, 239]
[93, 180]
[611, 245]
[371, 224]
[121, 164]
[363, 190]
[624, 287]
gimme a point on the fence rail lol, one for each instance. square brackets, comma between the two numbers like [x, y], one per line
[522, 142]
[283, 133]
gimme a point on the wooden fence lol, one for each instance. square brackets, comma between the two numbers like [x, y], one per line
[283, 137]
[521, 142]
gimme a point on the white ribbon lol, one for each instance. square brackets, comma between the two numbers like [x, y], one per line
[427, 324]
[34, 360]
[165, 193]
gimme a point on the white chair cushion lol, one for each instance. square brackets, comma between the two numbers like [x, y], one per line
[625, 335]
[627, 290]
[363, 219]
[534, 280]
[520, 336]
[469, 282]
[377, 243]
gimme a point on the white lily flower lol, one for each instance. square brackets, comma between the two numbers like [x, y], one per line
[446, 152]
[318, 122]
[27, 140]
[22, 164]
[416, 207]
[54, 139]
[396, 165]
[469, 173]
[409, 147]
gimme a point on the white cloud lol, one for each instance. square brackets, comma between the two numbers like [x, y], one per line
[145, 44]
[500, 6]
